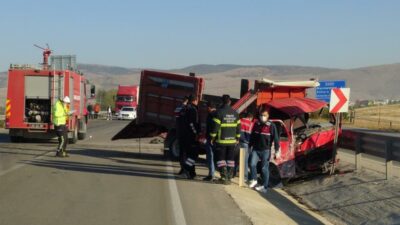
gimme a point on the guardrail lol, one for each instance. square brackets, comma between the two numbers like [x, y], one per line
[383, 146]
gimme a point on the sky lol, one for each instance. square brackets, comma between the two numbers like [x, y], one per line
[173, 34]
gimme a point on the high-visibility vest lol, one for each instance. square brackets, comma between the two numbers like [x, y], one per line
[60, 113]
[226, 129]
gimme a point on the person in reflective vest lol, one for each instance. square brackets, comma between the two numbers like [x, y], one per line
[60, 115]
[225, 134]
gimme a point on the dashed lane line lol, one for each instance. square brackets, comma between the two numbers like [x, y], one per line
[177, 209]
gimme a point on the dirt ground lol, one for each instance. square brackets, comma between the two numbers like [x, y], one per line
[362, 197]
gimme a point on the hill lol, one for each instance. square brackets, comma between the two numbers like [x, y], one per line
[278, 70]
[375, 82]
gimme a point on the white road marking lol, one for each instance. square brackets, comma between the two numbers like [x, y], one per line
[177, 209]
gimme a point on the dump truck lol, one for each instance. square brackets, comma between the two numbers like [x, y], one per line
[306, 146]
[127, 95]
[32, 92]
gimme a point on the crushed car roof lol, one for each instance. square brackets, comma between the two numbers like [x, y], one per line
[296, 106]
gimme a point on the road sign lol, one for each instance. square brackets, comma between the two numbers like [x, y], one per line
[339, 100]
[323, 92]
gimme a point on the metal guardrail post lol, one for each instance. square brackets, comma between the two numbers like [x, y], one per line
[241, 167]
[358, 157]
[389, 160]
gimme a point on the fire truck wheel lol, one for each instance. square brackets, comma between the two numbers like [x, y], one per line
[82, 127]
[74, 138]
[81, 136]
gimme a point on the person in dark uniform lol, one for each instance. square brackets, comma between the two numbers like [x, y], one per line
[263, 135]
[210, 148]
[190, 136]
[180, 119]
[226, 134]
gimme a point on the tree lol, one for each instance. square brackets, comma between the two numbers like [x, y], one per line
[106, 98]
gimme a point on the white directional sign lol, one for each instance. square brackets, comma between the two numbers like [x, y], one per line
[339, 100]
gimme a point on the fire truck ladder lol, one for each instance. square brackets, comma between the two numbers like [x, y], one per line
[245, 101]
[56, 87]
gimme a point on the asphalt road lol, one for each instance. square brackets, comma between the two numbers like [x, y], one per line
[104, 182]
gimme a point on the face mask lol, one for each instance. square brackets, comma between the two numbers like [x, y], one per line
[263, 119]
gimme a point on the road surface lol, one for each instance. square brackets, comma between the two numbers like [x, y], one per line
[104, 182]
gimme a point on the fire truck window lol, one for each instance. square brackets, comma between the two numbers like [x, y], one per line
[92, 91]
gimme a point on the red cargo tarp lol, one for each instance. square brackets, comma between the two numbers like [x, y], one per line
[296, 106]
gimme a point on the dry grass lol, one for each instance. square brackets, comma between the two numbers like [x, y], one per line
[378, 117]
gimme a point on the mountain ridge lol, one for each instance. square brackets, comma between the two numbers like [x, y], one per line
[372, 82]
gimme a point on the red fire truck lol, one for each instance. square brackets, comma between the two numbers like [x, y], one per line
[33, 91]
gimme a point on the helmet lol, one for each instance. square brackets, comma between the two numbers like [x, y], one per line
[66, 99]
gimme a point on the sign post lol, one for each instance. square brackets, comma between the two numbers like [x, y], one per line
[242, 170]
[339, 103]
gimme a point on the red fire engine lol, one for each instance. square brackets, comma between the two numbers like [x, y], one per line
[33, 91]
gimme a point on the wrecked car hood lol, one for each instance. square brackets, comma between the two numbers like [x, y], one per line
[296, 106]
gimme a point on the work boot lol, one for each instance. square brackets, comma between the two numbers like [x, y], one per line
[64, 154]
[208, 178]
[185, 174]
[230, 171]
[181, 171]
[224, 176]
[192, 172]
[58, 153]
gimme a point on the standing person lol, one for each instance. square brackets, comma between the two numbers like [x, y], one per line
[246, 126]
[90, 110]
[211, 108]
[263, 134]
[96, 110]
[86, 114]
[226, 134]
[190, 137]
[180, 123]
[109, 113]
[60, 114]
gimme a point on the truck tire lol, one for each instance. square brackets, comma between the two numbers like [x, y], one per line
[15, 139]
[74, 138]
[174, 149]
[82, 134]
[171, 145]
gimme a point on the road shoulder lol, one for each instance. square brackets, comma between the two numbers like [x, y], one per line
[272, 208]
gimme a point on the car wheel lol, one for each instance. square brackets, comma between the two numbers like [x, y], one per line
[274, 175]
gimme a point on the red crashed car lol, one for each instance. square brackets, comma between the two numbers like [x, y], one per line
[305, 146]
